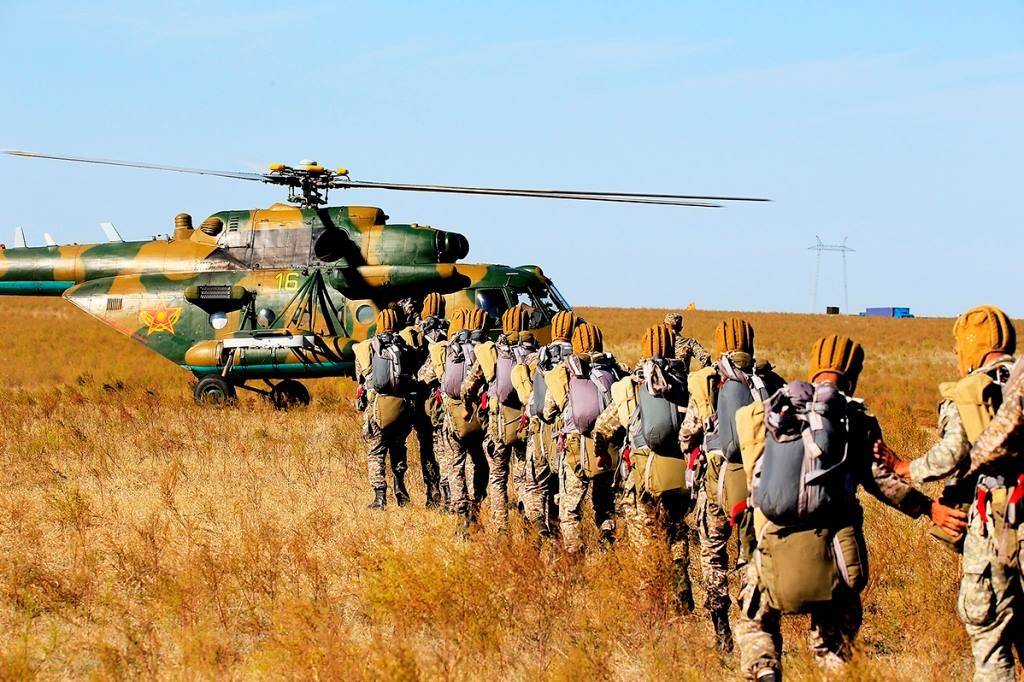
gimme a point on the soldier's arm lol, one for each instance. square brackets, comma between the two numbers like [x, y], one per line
[551, 408]
[700, 354]
[949, 454]
[607, 427]
[1004, 436]
[473, 382]
[691, 431]
[877, 477]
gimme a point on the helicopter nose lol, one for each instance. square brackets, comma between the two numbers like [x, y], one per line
[450, 246]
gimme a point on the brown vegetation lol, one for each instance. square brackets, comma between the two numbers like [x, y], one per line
[141, 535]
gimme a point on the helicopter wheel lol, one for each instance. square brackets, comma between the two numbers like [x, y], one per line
[214, 390]
[289, 393]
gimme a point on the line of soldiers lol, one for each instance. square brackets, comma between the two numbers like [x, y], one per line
[728, 449]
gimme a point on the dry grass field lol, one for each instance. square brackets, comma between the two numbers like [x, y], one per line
[143, 536]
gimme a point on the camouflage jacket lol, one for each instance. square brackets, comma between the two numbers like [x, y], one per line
[687, 350]
[1003, 439]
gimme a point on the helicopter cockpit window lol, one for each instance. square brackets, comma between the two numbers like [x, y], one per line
[549, 301]
[492, 301]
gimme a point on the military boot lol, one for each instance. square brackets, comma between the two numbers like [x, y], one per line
[682, 587]
[723, 633]
[768, 675]
[380, 499]
[401, 493]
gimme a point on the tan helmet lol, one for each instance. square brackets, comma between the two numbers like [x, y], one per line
[562, 325]
[587, 338]
[656, 342]
[733, 335]
[839, 354]
[515, 319]
[458, 321]
[433, 305]
[476, 320]
[980, 331]
[387, 321]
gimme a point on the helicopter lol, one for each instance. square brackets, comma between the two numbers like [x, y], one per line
[280, 294]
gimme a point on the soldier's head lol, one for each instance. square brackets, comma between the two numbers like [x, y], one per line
[674, 321]
[433, 305]
[656, 343]
[562, 325]
[983, 334]
[387, 321]
[409, 308]
[587, 338]
[836, 359]
[734, 335]
[515, 322]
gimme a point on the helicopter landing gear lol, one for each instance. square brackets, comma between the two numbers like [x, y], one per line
[214, 390]
[288, 393]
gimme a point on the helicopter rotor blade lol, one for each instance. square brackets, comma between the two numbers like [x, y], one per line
[542, 194]
[132, 164]
[559, 193]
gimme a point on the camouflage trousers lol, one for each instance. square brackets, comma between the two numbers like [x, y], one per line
[466, 451]
[382, 444]
[500, 458]
[539, 480]
[991, 600]
[427, 437]
[650, 520]
[572, 492]
[713, 532]
[759, 637]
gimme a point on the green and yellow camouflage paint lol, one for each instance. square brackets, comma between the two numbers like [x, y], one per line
[269, 293]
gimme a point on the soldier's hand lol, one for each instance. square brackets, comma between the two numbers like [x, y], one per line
[887, 457]
[949, 519]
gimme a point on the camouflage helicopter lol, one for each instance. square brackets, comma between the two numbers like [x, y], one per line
[283, 293]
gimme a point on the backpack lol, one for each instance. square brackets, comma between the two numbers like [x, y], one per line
[386, 365]
[977, 398]
[502, 383]
[802, 478]
[657, 422]
[459, 357]
[549, 357]
[588, 392]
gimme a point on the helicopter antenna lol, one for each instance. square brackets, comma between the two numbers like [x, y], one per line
[309, 184]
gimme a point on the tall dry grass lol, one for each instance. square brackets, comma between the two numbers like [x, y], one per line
[142, 536]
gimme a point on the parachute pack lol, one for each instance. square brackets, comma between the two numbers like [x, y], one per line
[653, 429]
[459, 357]
[588, 391]
[386, 365]
[508, 380]
[802, 475]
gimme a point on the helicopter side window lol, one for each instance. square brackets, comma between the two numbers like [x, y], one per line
[492, 301]
[548, 300]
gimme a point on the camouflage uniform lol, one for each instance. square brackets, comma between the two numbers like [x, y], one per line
[833, 627]
[1004, 437]
[991, 595]
[714, 527]
[686, 349]
[502, 458]
[541, 466]
[434, 456]
[573, 490]
[383, 442]
[650, 519]
[463, 450]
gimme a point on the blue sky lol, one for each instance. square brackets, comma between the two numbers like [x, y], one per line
[898, 125]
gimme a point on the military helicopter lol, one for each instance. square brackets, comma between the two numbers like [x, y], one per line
[283, 293]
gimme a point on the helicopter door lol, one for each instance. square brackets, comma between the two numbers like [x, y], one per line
[280, 244]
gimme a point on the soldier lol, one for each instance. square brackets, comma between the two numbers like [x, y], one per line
[424, 327]
[686, 349]
[1003, 438]
[715, 466]
[503, 371]
[541, 455]
[811, 555]
[579, 390]
[990, 598]
[646, 409]
[463, 422]
[382, 366]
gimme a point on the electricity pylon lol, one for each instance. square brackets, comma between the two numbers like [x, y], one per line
[819, 247]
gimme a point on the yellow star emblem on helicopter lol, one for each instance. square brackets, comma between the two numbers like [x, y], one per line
[162, 318]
